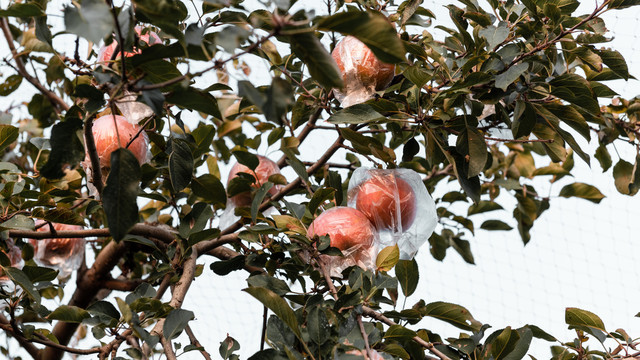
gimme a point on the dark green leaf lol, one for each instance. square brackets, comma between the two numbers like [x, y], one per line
[10, 85]
[66, 313]
[356, 114]
[209, 188]
[22, 10]
[583, 191]
[180, 164]
[66, 148]
[278, 305]
[21, 279]
[92, 20]
[176, 321]
[587, 321]
[506, 78]
[408, 275]
[8, 134]
[120, 193]
[195, 99]
[494, 225]
[471, 143]
[318, 325]
[372, 28]
[455, 315]
[321, 65]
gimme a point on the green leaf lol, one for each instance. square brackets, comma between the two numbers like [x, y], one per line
[318, 325]
[583, 191]
[19, 222]
[622, 4]
[258, 198]
[92, 20]
[471, 143]
[10, 85]
[408, 275]
[455, 315]
[104, 309]
[615, 61]
[22, 10]
[524, 119]
[388, 258]
[576, 90]
[209, 188]
[495, 35]
[38, 273]
[504, 343]
[121, 192]
[512, 74]
[356, 114]
[372, 28]
[66, 313]
[521, 346]
[22, 280]
[483, 206]
[227, 347]
[623, 173]
[321, 65]
[278, 305]
[176, 321]
[66, 148]
[195, 99]
[8, 134]
[396, 350]
[495, 225]
[399, 332]
[269, 282]
[586, 321]
[180, 165]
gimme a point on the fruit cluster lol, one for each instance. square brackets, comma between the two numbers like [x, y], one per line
[383, 208]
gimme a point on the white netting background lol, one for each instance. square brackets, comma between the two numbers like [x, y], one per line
[581, 254]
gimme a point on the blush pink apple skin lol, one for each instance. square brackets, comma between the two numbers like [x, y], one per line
[106, 139]
[347, 228]
[106, 52]
[55, 251]
[358, 63]
[265, 168]
[380, 198]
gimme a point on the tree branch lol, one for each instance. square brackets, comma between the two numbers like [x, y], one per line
[57, 102]
[194, 341]
[145, 230]
[25, 343]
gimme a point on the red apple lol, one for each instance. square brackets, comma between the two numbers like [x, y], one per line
[106, 52]
[386, 198]
[347, 228]
[54, 251]
[358, 64]
[265, 168]
[106, 139]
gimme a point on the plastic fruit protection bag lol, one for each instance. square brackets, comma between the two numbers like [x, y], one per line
[352, 233]
[266, 167]
[398, 204]
[64, 255]
[363, 74]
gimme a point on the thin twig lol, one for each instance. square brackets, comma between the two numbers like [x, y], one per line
[58, 102]
[90, 142]
[194, 341]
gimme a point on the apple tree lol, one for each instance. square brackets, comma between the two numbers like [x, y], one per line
[508, 82]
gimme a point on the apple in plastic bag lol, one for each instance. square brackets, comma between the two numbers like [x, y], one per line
[348, 228]
[55, 252]
[388, 201]
[105, 54]
[265, 168]
[14, 255]
[107, 139]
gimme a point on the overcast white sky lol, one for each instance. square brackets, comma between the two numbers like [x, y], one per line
[580, 255]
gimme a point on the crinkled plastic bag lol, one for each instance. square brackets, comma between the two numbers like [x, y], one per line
[352, 233]
[65, 254]
[132, 110]
[398, 204]
[363, 74]
[265, 168]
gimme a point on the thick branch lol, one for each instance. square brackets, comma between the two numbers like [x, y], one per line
[179, 293]
[145, 230]
[88, 286]
[58, 102]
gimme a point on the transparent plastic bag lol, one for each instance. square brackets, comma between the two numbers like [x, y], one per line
[64, 254]
[105, 54]
[106, 139]
[398, 204]
[132, 110]
[15, 257]
[362, 72]
[266, 167]
[351, 232]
